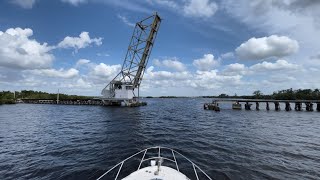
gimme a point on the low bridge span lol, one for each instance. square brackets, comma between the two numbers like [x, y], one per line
[299, 105]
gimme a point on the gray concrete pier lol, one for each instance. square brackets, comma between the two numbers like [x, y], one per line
[299, 105]
[92, 102]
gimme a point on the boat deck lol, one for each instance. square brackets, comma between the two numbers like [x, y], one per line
[156, 171]
[148, 173]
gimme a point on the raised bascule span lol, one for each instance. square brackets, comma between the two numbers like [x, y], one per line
[124, 88]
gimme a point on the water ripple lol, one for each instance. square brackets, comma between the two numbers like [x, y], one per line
[81, 142]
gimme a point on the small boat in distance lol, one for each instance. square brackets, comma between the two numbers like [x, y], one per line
[211, 106]
[161, 164]
[236, 106]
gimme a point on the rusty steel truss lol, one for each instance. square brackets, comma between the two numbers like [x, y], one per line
[137, 56]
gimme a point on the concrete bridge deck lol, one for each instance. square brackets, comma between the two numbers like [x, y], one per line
[263, 100]
[299, 105]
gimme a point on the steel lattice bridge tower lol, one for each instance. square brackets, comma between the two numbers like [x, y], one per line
[125, 86]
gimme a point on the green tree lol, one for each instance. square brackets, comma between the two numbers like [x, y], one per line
[223, 96]
[257, 94]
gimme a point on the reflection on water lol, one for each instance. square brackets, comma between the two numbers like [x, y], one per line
[81, 142]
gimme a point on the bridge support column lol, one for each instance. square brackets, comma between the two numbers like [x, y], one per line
[257, 106]
[267, 106]
[288, 107]
[309, 106]
[277, 106]
[247, 106]
[298, 106]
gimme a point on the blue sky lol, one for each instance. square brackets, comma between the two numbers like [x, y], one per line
[204, 47]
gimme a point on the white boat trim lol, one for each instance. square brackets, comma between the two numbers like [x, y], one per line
[159, 157]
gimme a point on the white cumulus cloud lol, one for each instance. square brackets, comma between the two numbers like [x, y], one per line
[172, 63]
[200, 8]
[166, 75]
[102, 74]
[280, 66]
[75, 2]
[266, 47]
[277, 66]
[212, 80]
[203, 80]
[19, 51]
[228, 55]
[82, 83]
[80, 42]
[207, 62]
[105, 70]
[175, 64]
[27, 4]
[61, 73]
[235, 69]
[167, 3]
[82, 62]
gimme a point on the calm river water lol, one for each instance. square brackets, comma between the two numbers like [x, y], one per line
[81, 142]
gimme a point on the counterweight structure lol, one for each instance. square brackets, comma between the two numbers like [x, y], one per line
[125, 86]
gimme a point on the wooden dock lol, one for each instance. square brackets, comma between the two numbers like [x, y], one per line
[91, 102]
[299, 105]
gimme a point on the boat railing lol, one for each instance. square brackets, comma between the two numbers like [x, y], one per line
[157, 158]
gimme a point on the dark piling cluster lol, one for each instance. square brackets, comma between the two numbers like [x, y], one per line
[95, 102]
[299, 105]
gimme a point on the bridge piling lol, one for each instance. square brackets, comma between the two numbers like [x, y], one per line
[288, 107]
[298, 106]
[247, 106]
[277, 106]
[267, 106]
[309, 106]
[257, 106]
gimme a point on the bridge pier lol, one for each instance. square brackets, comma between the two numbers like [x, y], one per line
[257, 106]
[309, 106]
[277, 106]
[267, 106]
[288, 107]
[298, 106]
[247, 106]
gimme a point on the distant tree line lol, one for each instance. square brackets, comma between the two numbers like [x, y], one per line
[287, 94]
[290, 94]
[8, 97]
